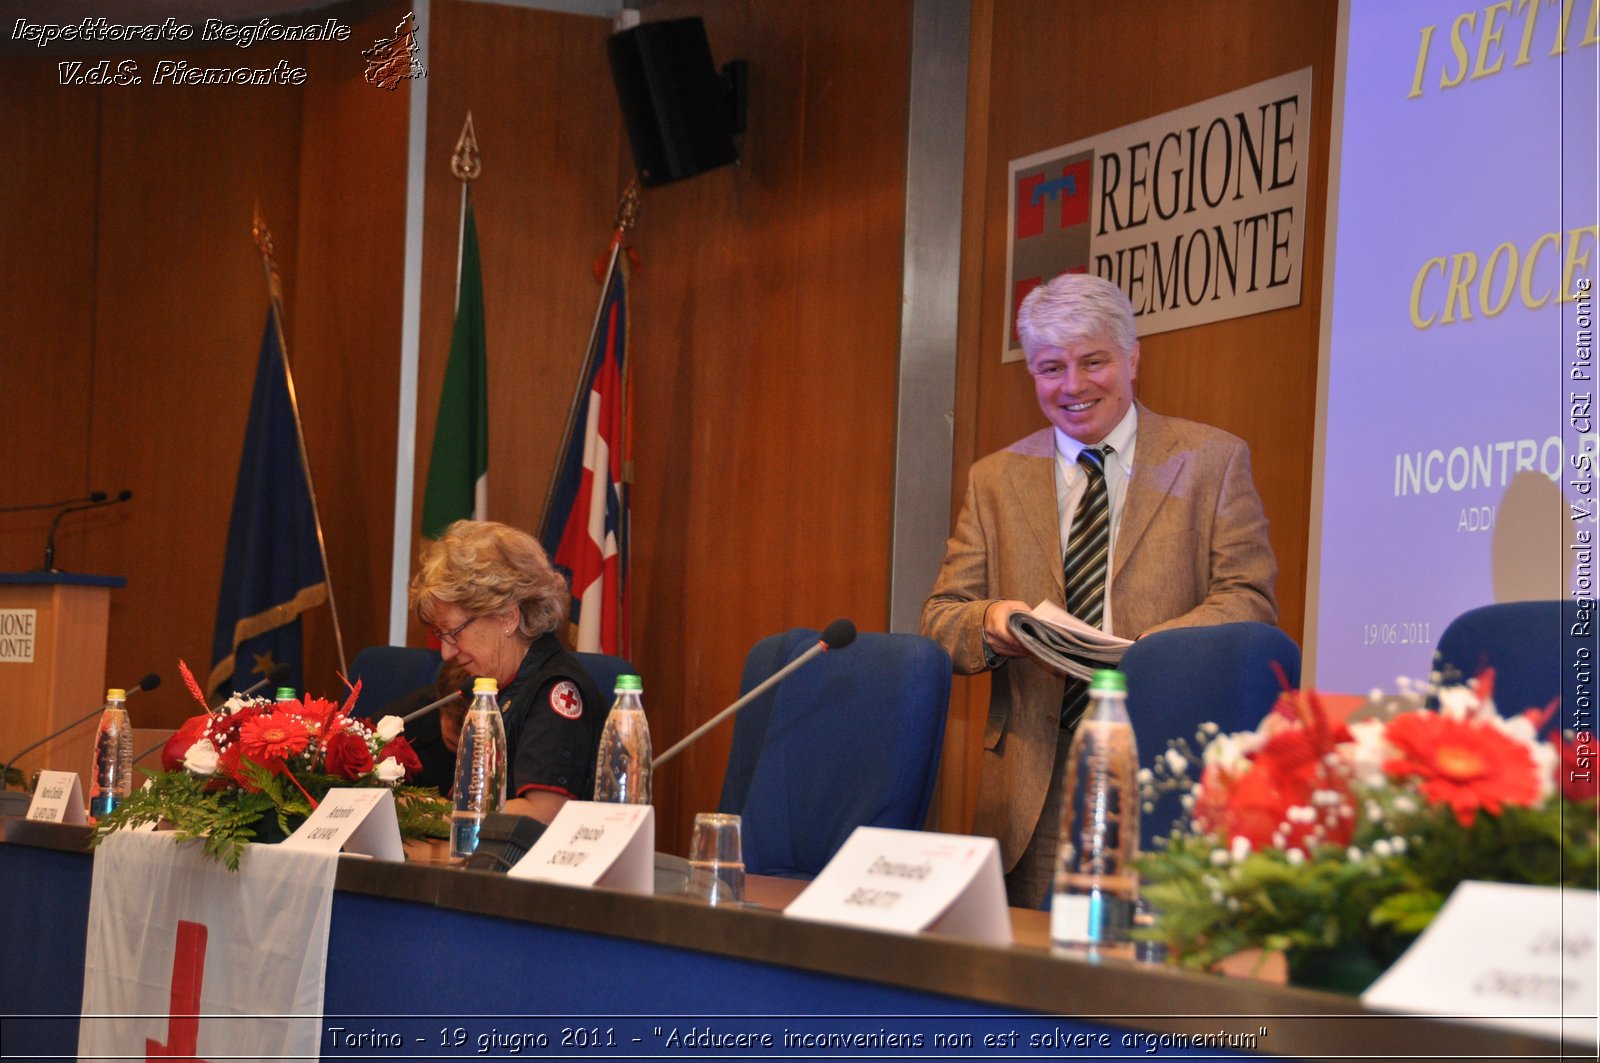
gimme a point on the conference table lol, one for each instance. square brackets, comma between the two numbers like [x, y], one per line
[428, 960]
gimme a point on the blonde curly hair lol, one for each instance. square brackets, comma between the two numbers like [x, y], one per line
[485, 566]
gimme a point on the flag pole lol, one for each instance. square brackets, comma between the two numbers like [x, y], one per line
[627, 215]
[263, 240]
[467, 165]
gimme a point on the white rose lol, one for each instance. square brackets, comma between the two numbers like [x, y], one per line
[390, 771]
[390, 726]
[201, 759]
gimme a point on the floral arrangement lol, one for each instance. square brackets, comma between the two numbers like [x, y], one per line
[1321, 838]
[255, 768]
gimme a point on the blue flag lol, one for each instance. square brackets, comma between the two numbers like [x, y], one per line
[273, 571]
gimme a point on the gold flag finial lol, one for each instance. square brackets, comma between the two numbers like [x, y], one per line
[466, 163]
[263, 240]
[628, 209]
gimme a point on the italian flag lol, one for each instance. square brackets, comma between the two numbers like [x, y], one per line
[458, 473]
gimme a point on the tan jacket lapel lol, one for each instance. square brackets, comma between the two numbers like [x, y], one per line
[1156, 469]
[1034, 492]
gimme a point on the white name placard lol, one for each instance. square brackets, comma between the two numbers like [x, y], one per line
[358, 820]
[58, 799]
[18, 630]
[1521, 957]
[595, 843]
[910, 881]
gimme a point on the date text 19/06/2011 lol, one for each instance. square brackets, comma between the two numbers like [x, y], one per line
[1403, 633]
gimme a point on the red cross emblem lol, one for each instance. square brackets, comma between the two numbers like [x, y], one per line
[565, 701]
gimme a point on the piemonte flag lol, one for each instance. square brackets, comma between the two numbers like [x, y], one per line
[458, 473]
[586, 527]
[273, 571]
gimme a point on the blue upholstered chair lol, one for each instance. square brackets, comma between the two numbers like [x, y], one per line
[1183, 677]
[1530, 645]
[850, 739]
[603, 668]
[389, 673]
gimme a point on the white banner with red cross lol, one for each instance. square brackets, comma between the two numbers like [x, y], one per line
[189, 960]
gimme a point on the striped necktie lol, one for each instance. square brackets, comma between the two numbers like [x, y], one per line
[1084, 567]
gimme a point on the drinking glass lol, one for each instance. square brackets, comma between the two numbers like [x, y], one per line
[716, 859]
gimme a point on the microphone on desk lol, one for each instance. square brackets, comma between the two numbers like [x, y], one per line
[835, 636]
[93, 497]
[277, 674]
[50, 543]
[149, 681]
[433, 706]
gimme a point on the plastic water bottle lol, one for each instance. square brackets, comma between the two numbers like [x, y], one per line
[480, 786]
[1096, 886]
[622, 768]
[284, 694]
[113, 756]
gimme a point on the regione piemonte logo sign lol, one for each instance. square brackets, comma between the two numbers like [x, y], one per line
[1197, 214]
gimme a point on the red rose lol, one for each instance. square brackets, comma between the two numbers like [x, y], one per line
[346, 756]
[403, 754]
[193, 729]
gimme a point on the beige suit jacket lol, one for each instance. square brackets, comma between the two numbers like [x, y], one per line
[1191, 549]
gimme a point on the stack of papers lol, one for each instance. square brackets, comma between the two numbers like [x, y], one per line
[1065, 643]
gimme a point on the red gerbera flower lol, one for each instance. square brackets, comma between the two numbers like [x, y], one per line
[1465, 764]
[272, 738]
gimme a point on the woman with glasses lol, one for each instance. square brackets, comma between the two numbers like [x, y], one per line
[494, 602]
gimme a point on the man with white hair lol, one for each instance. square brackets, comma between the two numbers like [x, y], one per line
[1134, 521]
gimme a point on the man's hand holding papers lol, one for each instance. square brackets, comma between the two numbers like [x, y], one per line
[1065, 643]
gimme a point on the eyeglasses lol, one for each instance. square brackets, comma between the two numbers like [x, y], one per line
[449, 637]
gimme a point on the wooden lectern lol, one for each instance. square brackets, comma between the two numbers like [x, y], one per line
[52, 665]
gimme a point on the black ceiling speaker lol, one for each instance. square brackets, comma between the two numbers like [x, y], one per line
[681, 114]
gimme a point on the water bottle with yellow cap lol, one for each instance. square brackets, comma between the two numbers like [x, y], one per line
[480, 787]
[112, 778]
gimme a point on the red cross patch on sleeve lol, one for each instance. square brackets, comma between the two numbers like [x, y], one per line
[565, 700]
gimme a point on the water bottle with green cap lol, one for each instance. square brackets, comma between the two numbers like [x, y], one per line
[480, 784]
[622, 766]
[1096, 885]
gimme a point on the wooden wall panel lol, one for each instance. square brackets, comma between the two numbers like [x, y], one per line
[766, 334]
[180, 308]
[47, 264]
[344, 329]
[548, 129]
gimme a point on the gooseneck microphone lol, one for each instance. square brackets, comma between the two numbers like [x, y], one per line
[149, 682]
[835, 636]
[50, 544]
[92, 497]
[432, 706]
[277, 674]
